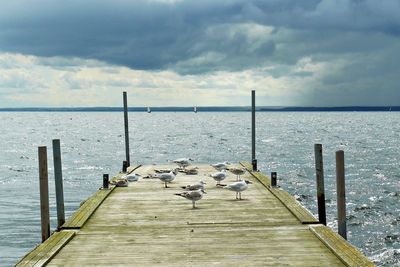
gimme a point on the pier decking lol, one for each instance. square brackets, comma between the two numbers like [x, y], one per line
[146, 224]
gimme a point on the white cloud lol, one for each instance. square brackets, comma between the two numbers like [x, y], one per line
[214, 52]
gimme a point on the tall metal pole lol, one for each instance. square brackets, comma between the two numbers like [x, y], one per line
[128, 160]
[341, 194]
[44, 193]
[319, 171]
[253, 130]
[58, 183]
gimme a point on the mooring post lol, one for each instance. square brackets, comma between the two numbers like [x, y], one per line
[273, 179]
[58, 183]
[253, 130]
[341, 194]
[105, 181]
[124, 166]
[44, 193]
[319, 171]
[128, 160]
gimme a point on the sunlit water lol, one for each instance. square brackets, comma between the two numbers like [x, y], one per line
[93, 144]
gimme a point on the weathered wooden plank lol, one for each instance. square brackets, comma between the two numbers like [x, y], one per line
[301, 213]
[146, 224]
[47, 250]
[347, 253]
[294, 206]
[181, 246]
[78, 219]
[29, 259]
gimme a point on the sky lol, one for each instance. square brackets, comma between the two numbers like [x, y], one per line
[75, 53]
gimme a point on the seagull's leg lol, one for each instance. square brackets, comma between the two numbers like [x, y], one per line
[166, 186]
[193, 204]
[236, 195]
[240, 195]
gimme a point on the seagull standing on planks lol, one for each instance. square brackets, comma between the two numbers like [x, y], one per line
[237, 172]
[192, 195]
[219, 176]
[197, 186]
[182, 162]
[238, 187]
[221, 165]
[167, 177]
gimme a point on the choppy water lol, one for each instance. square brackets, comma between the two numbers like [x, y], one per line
[93, 144]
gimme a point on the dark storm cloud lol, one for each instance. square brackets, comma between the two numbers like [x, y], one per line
[194, 36]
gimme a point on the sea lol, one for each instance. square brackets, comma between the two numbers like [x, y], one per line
[92, 144]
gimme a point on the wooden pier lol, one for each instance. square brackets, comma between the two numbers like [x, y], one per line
[145, 224]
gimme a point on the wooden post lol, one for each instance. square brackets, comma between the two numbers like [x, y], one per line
[124, 166]
[319, 171]
[341, 197]
[253, 130]
[273, 179]
[44, 193]
[105, 181]
[128, 160]
[58, 183]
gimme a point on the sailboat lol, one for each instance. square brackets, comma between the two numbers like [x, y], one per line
[195, 109]
[148, 110]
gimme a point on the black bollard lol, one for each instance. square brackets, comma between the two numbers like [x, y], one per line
[124, 166]
[273, 179]
[105, 181]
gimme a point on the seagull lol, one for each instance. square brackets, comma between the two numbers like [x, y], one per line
[192, 187]
[219, 176]
[183, 162]
[192, 195]
[191, 171]
[237, 171]
[221, 165]
[133, 177]
[238, 187]
[167, 177]
[121, 182]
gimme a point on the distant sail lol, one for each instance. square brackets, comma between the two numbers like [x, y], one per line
[148, 110]
[195, 109]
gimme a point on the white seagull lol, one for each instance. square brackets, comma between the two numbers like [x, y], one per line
[183, 162]
[197, 186]
[237, 172]
[133, 177]
[219, 176]
[192, 195]
[238, 187]
[221, 165]
[167, 177]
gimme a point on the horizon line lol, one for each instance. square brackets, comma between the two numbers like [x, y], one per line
[203, 108]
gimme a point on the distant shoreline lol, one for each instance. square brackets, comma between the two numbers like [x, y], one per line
[207, 109]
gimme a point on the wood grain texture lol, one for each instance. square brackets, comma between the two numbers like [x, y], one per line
[46, 251]
[145, 224]
[301, 213]
[79, 218]
[350, 255]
